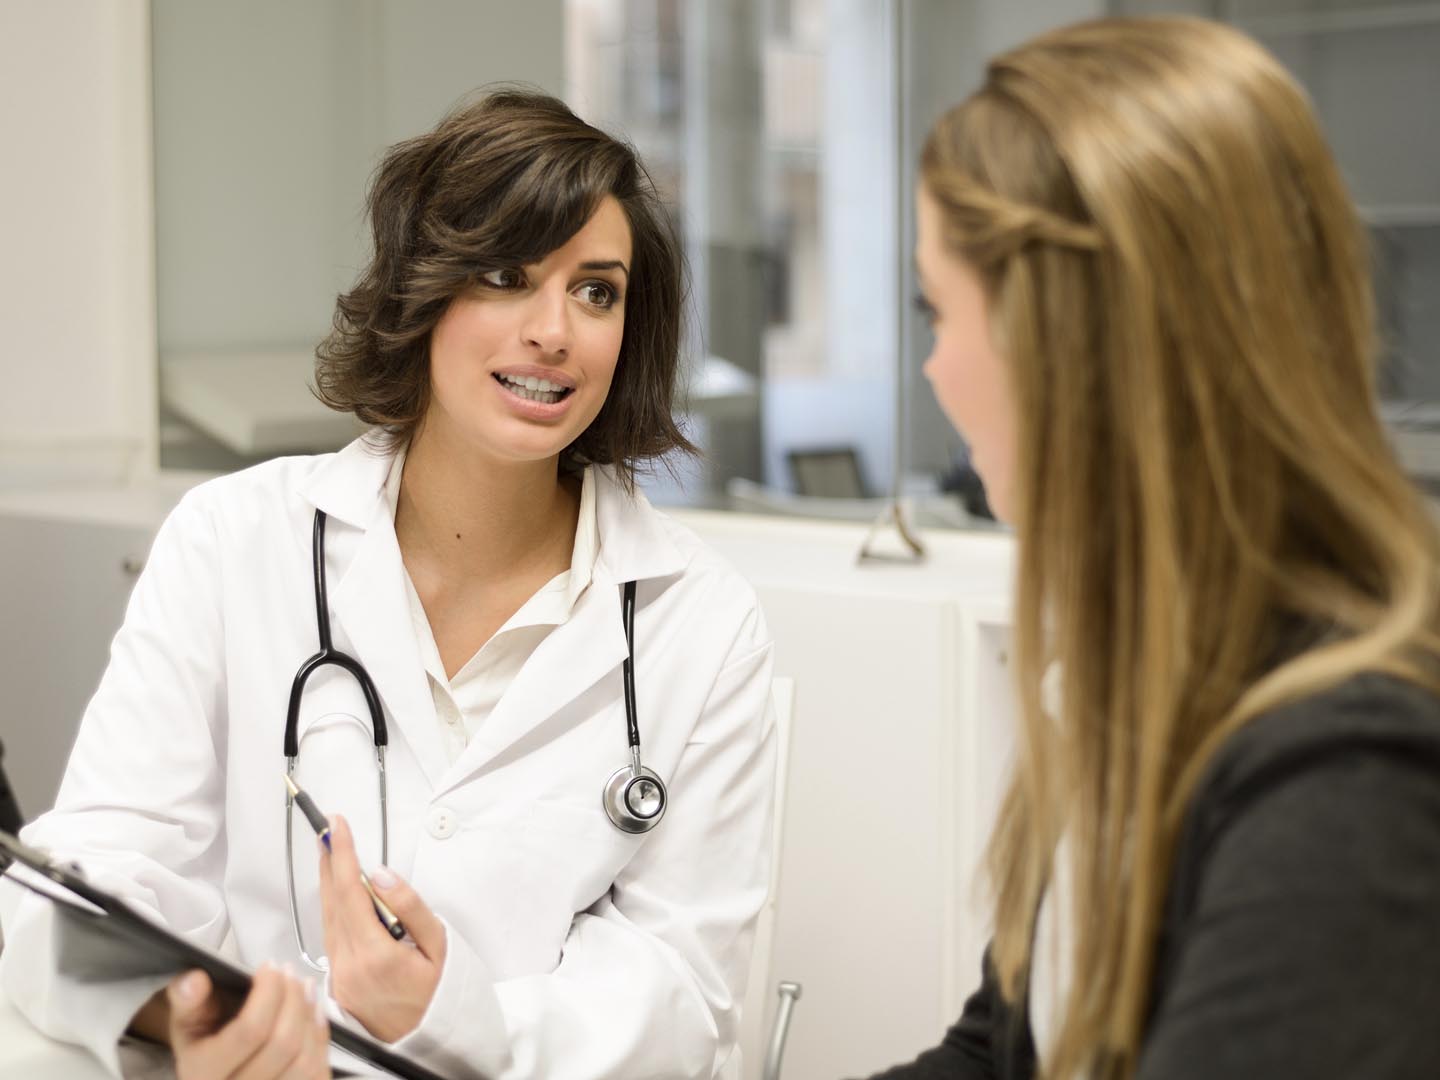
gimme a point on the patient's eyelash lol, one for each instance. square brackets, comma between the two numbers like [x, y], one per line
[924, 307]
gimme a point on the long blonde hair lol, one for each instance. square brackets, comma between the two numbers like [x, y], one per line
[1180, 287]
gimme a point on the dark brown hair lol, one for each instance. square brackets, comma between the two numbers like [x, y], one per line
[502, 182]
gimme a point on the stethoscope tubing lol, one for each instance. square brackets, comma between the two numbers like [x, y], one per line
[627, 615]
[617, 790]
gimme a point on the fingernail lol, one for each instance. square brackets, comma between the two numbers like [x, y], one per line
[188, 989]
[337, 822]
[384, 878]
[288, 970]
[310, 991]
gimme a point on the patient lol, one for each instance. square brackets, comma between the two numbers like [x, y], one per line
[1154, 327]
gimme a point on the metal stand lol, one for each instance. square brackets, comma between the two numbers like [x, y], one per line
[789, 994]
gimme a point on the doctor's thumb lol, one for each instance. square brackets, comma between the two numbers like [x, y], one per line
[193, 1008]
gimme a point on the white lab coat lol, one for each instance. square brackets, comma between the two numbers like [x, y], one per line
[574, 950]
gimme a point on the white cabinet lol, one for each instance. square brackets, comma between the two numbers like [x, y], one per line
[67, 563]
[900, 745]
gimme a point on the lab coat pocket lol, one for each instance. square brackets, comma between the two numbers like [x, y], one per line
[560, 860]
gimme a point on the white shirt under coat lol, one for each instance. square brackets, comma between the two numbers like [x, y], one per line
[464, 700]
[574, 950]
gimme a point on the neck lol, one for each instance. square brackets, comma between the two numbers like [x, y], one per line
[470, 517]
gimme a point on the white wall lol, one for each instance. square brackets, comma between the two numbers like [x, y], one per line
[269, 119]
[77, 267]
[76, 270]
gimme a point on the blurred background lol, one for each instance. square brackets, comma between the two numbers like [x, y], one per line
[783, 132]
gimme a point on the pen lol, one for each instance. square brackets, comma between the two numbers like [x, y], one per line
[322, 829]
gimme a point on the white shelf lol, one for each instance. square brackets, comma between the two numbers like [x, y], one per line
[253, 403]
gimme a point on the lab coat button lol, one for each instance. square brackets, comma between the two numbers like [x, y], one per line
[441, 822]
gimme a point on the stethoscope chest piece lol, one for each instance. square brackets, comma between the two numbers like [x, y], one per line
[635, 800]
[634, 797]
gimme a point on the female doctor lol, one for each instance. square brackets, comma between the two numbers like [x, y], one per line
[514, 344]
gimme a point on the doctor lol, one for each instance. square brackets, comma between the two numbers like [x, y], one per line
[514, 344]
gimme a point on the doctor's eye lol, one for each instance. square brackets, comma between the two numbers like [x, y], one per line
[506, 278]
[598, 294]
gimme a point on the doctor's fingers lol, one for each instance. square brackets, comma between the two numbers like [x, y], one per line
[297, 1047]
[422, 924]
[203, 1055]
[194, 1009]
[348, 903]
[336, 939]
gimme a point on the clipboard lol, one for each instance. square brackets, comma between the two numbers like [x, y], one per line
[106, 939]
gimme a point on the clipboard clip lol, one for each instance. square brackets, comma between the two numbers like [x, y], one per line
[13, 850]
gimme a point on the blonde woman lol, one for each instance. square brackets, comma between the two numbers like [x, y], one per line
[1220, 857]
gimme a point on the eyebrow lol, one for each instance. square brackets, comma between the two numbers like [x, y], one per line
[612, 264]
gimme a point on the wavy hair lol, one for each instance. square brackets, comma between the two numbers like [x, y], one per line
[1179, 285]
[501, 182]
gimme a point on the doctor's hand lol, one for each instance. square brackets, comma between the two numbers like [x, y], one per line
[385, 984]
[278, 1033]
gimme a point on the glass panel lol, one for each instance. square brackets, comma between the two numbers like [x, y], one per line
[780, 157]
[269, 117]
[1370, 68]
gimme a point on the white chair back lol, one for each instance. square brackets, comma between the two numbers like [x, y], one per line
[760, 998]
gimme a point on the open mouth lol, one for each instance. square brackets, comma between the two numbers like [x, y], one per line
[533, 389]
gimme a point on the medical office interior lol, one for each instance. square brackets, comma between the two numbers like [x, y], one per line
[182, 200]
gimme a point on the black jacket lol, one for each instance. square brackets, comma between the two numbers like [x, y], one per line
[1302, 929]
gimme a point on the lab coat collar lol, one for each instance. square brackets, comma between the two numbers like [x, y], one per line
[348, 485]
[634, 544]
[369, 601]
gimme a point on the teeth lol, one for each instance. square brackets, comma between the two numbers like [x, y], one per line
[530, 382]
[533, 389]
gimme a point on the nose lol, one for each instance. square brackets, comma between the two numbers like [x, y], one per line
[546, 322]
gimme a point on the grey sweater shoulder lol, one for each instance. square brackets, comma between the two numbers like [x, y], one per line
[1302, 935]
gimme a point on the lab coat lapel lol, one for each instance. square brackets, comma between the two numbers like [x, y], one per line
[633, 546]
[368, 600]
[572, 659]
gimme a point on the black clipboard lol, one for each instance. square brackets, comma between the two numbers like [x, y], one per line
[106, 940]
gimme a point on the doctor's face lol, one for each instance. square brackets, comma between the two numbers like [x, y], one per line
[521, 364]
[970, 379]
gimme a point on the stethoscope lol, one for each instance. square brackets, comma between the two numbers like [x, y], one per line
[634, 797]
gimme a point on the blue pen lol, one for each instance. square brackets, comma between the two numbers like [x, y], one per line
[322, 830]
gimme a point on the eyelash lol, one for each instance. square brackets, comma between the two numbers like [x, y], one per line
[924, 307]
[612, 295]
